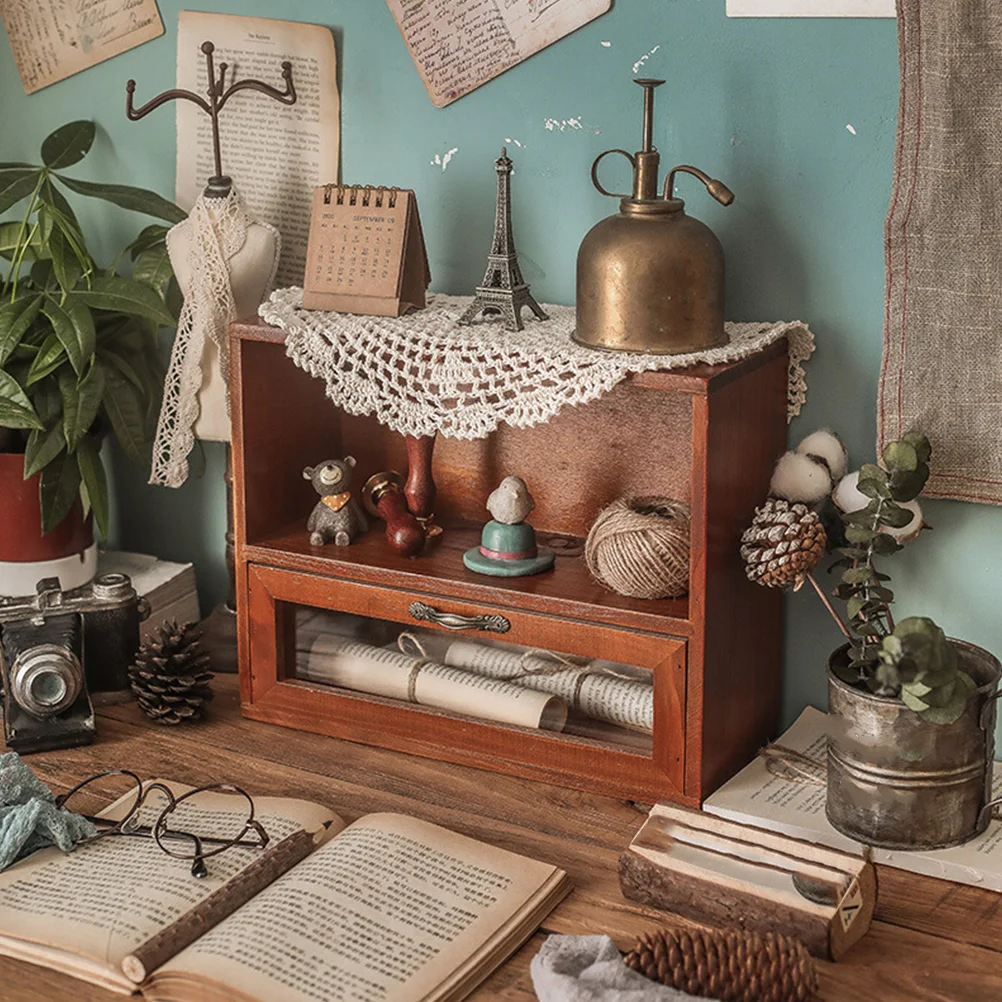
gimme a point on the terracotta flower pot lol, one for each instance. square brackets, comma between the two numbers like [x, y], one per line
[897, 781]
[67, 552]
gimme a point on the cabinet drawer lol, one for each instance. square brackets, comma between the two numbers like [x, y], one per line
[511, 677]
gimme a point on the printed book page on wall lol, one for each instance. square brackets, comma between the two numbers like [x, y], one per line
[810, 8]
[275, 153]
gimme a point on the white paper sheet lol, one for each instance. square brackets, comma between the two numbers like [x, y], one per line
[757, 797]
[276, 154]
[810, 8]
[340, 661]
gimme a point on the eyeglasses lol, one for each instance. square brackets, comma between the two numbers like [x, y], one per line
[171, 829]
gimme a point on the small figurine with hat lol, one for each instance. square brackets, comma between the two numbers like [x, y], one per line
[508, 543]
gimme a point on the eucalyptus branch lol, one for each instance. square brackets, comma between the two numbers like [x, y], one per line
[875, 506]
[876, 524]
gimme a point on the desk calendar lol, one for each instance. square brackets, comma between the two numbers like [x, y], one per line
[366, 252]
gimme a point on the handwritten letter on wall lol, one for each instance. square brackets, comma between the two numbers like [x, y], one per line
[53, 39]
[460, 44]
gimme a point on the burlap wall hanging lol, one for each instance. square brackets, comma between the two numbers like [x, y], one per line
[942, 365]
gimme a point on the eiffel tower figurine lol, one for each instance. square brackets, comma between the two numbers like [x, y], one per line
[504, 290]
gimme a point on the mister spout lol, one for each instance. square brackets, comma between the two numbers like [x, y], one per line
[717, 189]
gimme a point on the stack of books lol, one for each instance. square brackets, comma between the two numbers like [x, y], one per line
[760, 798]
[169, 588]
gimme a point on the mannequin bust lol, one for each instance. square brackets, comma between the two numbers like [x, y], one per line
[251, 269]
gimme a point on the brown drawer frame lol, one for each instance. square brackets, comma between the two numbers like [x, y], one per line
[586, 764]
[708, 434]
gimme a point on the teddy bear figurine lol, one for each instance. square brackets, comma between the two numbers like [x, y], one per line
[338, 517]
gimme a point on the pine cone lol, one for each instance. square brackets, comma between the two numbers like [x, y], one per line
[733, 966]
[169, 678]
[784, 542]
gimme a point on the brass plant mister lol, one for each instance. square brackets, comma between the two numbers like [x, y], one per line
[651, 278]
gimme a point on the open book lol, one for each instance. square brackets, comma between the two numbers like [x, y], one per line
[388, 909]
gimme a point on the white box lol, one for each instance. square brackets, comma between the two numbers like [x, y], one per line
[810, 8]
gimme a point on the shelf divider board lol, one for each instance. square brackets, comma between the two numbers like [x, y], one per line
[568, 591]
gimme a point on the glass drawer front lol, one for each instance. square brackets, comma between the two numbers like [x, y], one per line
[478, 676]
[480, 683]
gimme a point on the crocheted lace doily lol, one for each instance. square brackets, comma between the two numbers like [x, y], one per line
[422, 374]
[218, 232]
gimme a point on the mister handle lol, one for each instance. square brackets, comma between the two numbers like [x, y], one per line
[716, 188]
[594, 171]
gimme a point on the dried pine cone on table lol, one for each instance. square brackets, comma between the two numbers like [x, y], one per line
[785, 542]
[731, 966]
[170, 679]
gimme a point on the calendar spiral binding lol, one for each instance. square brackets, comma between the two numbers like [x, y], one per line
[352, 192]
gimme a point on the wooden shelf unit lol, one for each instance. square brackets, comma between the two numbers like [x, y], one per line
[708, 435]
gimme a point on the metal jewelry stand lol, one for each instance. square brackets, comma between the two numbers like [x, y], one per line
[219, 629]
[219, 94]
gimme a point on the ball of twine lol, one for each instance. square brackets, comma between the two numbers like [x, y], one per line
[639, 547]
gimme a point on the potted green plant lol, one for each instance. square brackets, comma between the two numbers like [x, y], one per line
[912, 711]
[79, 354]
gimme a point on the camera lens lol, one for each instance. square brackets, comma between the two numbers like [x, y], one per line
[45, 680]
[48, 688]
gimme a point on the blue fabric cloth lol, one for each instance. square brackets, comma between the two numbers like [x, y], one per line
[29, 818]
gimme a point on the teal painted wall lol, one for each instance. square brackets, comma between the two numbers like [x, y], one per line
[763, 104]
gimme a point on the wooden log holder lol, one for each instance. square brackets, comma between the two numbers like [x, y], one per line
[717, 871]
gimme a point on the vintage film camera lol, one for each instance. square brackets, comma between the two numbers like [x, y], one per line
[57, 647]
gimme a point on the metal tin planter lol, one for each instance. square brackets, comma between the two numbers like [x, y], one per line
[898, 782]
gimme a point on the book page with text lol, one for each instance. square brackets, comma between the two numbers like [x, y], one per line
[759, 797]
[339, 661]
[106, 899]
[388, 911]
[275, 153]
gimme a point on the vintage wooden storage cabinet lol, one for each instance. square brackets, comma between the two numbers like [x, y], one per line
[708, 435]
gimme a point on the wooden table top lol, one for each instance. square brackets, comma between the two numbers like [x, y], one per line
[931, 941]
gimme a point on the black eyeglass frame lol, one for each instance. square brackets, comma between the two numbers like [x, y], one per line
[160, 831]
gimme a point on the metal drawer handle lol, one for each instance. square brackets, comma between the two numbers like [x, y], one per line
[452, 621]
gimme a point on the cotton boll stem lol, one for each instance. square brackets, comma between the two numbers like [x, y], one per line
[828, 605]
